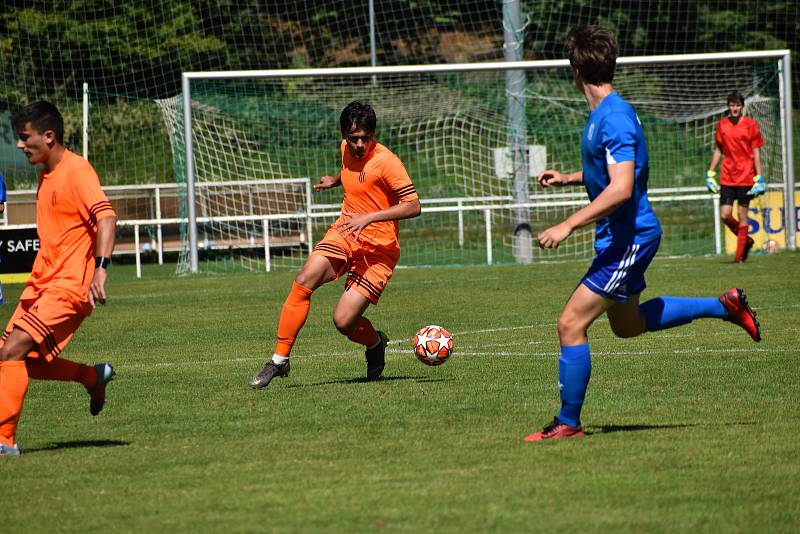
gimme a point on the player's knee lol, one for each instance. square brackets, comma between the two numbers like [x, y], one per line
[569, 326]
[8, 354]
[343, 323]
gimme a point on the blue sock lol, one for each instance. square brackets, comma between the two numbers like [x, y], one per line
[666, 312]
[574, 370]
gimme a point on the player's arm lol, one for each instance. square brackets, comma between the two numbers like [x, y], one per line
[356, 222]
[327, 182]
[104, 246]
[757, 161]
[552, 177]
[618, 191]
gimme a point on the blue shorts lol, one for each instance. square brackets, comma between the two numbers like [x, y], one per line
[617, 271]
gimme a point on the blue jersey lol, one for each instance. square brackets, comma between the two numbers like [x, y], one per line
[613, 134]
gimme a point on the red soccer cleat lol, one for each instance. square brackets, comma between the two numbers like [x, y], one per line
[747, 246]
[739, 312]
[556, 430]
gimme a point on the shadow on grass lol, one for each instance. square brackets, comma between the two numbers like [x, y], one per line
[77, 445]
[604, 429]
[363, 380]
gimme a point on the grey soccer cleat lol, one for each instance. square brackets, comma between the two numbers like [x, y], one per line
[376, 358]
[270, 371]
[97, 393]
[9, 450]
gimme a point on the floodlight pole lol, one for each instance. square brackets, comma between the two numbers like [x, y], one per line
[194, 264]
[517, 130]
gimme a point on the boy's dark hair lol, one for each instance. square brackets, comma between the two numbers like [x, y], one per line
[736, 97]
[358, 114]
[42, 115]
[593, 51]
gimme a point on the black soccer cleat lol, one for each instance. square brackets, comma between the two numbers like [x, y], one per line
[376, 358]
[97, 392]
[270, 371]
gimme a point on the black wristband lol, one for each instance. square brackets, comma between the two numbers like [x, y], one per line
[101, 262]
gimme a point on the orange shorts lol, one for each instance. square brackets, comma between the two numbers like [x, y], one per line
[368, 267]
[50, 320]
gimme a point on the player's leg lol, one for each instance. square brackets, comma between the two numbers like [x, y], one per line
[369, 275]
[726, 197]
[348, 317]
[743, 241]
[52, 324]
[16, 345]
[666, 312]
[318, 270]
[574, 364]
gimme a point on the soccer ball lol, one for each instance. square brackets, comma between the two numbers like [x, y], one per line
[433, 345]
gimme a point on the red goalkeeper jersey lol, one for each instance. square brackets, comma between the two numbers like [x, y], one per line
[737, 142]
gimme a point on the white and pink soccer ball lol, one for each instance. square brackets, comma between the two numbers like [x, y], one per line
[433, 345]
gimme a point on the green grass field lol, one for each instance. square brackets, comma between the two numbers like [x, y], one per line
[690, 429]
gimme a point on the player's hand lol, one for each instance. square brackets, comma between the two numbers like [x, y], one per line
[97, 289]
[326, 182]
[711, 182]
[550, 177]
[354, 224]
[759, 186]
[554, 235]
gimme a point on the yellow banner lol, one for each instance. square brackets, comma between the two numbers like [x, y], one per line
[767, 223]
[14, 278]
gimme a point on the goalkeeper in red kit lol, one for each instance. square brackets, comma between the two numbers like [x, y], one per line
[738, 144]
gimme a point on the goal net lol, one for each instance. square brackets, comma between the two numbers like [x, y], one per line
[260, 138]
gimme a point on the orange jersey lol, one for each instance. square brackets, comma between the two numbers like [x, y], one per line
[375, 182]
[69, 202]
[737, 142]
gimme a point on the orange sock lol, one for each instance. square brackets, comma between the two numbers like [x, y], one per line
[364, 333]
[293, 316]
[733, 226]
[13, 386]
[741, 242]
[60, 369]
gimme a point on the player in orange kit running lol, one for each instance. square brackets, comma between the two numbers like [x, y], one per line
[362, 243]
[76, 226]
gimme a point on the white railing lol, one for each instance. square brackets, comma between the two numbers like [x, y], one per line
[459, 205]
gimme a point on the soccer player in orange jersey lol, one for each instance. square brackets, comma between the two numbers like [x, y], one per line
[738, 144]
[362, 243]
[76, 226]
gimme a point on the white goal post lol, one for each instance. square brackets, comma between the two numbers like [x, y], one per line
[782, 57]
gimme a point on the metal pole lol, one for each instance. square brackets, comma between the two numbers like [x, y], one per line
[790, 215]
[159, 232]
[517, 130]
[194, 264]
[136, 245]
[85, 120]
[372, 49]
[717, 227]
[487, 219]
[267, 259]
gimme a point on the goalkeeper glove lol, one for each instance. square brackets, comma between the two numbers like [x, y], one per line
[759, 187]
[711, 183]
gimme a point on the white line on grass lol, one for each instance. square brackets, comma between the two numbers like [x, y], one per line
[687, 351]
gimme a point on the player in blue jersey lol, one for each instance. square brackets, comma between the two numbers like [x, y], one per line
[615, 172]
